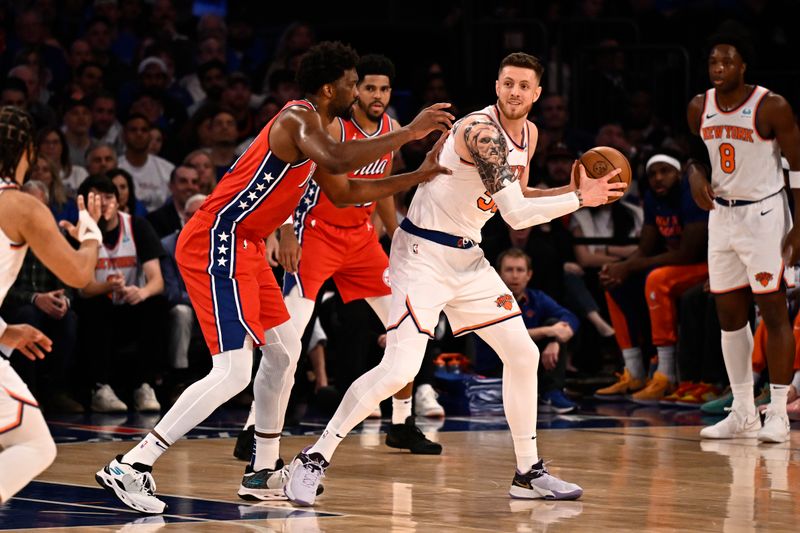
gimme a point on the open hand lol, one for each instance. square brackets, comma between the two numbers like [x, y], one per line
[430, 167]
[31, 342]
[435, 117]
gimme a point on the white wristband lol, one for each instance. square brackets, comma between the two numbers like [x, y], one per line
[794, 179]
[87, 228]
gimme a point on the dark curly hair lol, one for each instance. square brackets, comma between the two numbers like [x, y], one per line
[739, 41]
[324, 63]
[16, 134]
[376, 65]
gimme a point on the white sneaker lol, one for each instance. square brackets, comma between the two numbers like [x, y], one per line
[305, 474]
[538, 483]
[104, 400]
[133, 485]
[733, 426]
[776, 427]
[425, 403]
[144, 399]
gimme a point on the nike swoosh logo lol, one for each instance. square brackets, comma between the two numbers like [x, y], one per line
[767, 211]
[711, 116]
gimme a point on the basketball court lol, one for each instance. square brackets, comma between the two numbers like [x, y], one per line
[642, 469]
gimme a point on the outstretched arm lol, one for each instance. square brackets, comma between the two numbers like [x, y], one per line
[300, 133]
[482, 141]
[343, 191]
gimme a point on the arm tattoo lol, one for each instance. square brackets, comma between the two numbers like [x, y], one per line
[488, 148]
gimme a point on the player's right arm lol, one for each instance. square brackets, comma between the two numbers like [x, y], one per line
[697, 169]
[38, 228]
[299, 133]
[343, 191]
[480, 141]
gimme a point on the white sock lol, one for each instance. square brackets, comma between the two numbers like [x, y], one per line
[778, 395]
[633, 362]
[796, 380]
[251, 416]
[401, 409]
[526, 451]
[666, 362]
[737, 350]
[327, 443]
[147, 451]
[267, 452]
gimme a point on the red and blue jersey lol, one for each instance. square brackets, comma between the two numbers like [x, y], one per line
[315, 204]
[260, 191]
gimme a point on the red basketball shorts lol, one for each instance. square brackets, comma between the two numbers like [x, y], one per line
[229, 281]
[353, 257]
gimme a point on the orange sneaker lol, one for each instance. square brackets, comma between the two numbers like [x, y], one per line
[683, 389]
[657, 388]
[700, 394]
[625, 385]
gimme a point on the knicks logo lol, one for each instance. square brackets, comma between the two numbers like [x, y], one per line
[764, 278]
[505, 301]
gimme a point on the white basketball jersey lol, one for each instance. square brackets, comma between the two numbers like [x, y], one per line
[11, 256]
[744, 166]
[459, 204]
[121, 258]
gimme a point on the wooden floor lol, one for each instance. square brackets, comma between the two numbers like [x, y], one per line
[635, 479]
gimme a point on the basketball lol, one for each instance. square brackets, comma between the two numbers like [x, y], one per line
[601, 160]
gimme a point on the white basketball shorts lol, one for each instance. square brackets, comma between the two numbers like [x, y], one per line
[428, 278]
[745, 246]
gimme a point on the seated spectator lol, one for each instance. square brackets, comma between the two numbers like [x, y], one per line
[183, 325]
[40, 299]
[670, 258]
[101, 158]
[201, 162]
[51, 143]
[150, 172]
[213, 78]
[61, 203]
[550, 325]
[156, 140]
[171, 216]
[122, 312]
[128, 203]
[224, 135]
[236, 98]
[105, 126]
[77, 125]
[14, 93]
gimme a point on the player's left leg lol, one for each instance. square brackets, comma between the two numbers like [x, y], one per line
[780, 356]
[28, 448]
[403, 433]
[512, 342]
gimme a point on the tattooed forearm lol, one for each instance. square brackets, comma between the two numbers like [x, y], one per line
[488, 148]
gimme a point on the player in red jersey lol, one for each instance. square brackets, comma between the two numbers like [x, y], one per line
[329, 241]
[221, 254]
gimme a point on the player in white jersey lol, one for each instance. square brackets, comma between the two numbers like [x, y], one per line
[25, 440]
[752, 244]
[436, 265]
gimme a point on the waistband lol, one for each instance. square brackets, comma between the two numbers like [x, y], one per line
[210, 219]
[438, 237]
[734, 203]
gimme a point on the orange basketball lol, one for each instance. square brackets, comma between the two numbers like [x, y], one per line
[601, 160]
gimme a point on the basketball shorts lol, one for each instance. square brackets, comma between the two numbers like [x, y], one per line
[353, 257]
[428, 278]
[14, 396]
[745, 246]
[232, 288]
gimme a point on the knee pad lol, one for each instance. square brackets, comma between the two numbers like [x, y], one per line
[401, 364]
[281, 349]
[234, 368]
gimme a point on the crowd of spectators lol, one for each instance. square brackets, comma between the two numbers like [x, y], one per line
[149, 103]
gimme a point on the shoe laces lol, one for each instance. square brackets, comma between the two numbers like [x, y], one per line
[313, 471]
[143, 481]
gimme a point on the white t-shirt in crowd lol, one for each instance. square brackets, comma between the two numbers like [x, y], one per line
[151, 180]
[74, 179]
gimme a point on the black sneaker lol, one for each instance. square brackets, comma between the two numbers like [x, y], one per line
[245, 443]
[266, 484]
[409, 437]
